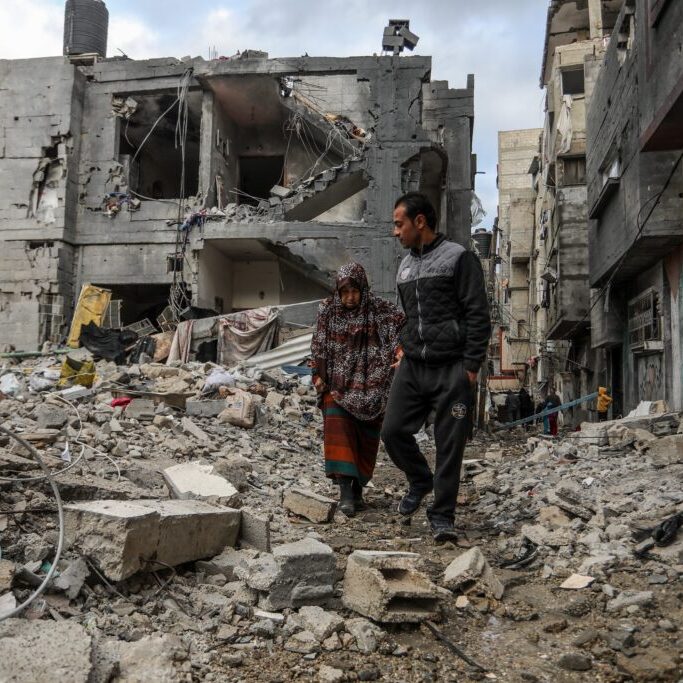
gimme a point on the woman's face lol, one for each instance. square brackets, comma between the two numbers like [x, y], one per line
[350, 296]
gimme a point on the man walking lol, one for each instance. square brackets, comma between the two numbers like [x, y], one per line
[444, 341]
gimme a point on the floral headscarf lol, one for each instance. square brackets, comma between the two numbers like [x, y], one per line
[353, 349]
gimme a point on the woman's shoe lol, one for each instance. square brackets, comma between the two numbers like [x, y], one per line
[358, 501]
[346, 498]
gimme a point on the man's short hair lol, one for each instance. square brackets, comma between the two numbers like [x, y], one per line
[416, 203]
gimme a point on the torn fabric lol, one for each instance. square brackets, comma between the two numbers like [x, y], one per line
[244, 334]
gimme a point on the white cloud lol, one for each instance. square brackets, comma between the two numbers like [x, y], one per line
[135, 38]
[30, 28]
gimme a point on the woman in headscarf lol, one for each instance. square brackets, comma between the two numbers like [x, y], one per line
[354, 348]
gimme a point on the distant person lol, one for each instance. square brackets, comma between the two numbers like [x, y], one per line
[353, 349]
[604, 400]
[552, 401]
[526, 405]
[512, 406]
[443, 293]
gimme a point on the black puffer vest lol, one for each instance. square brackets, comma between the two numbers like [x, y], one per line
[435, 331]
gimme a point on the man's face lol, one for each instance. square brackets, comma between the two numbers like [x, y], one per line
[406, 229]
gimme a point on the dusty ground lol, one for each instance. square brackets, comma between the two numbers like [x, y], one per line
[536, 632]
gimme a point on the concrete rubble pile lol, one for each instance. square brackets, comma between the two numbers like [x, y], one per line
[194, 546]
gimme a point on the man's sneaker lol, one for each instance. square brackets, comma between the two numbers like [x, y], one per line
[443, 531]
[411, 502]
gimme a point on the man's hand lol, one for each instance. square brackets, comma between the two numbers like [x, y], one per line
[472, 377]
[398, 357]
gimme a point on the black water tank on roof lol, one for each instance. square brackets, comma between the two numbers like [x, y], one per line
[86, 23]
[482, 238]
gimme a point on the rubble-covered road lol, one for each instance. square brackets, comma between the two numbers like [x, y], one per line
[197, 549]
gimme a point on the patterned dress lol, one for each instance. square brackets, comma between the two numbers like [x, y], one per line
[353, 351]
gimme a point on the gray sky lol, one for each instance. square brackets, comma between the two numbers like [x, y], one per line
[499, 41]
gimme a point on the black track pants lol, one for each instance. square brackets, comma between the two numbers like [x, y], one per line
[418, 389]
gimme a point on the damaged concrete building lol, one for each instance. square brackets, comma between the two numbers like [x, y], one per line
[224, 185]
[635, 200]
[605, 264]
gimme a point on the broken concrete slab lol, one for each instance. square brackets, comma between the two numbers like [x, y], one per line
[367, 635]
[141, 409]
[193, 529]
[50, 417]
[153, 658]
[195, 480]
[577, 582]
[294, 575]
[71, 580]
[312, 506]
[192, 429]
[205, 408]
[471, 573]
[119, 535]
[127, 537]
[44, 651]
[668, 450]
[226, 562]
[629, 598]
[320, 623]
[390, 587]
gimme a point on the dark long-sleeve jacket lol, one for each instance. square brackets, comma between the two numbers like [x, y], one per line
[443, 294]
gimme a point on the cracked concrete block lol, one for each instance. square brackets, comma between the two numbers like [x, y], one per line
[471, 573]
[194, 480]
[193, 529]
[368, 636]
[126, 537]
[296, 574]
[312, 506]
[117, 534]
[389, 587]
[44, 651]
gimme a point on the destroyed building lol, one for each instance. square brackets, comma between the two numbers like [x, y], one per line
[224, 184]
[635, 190]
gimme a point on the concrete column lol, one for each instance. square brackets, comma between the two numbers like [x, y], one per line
[595, 18]
[206, 143]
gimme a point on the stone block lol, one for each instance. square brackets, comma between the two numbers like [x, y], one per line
[191, 429]
[193, 529]
[50, 417]
[126, 537]
[38, 650]
[296, 574]
[668, 450]
[255, 531]
[204, 408]
[140, 409]
[320, 623]
[312, 506]
[118, 535]
[471, 573]
[389, 587]
[594, 433]
[194, 480]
